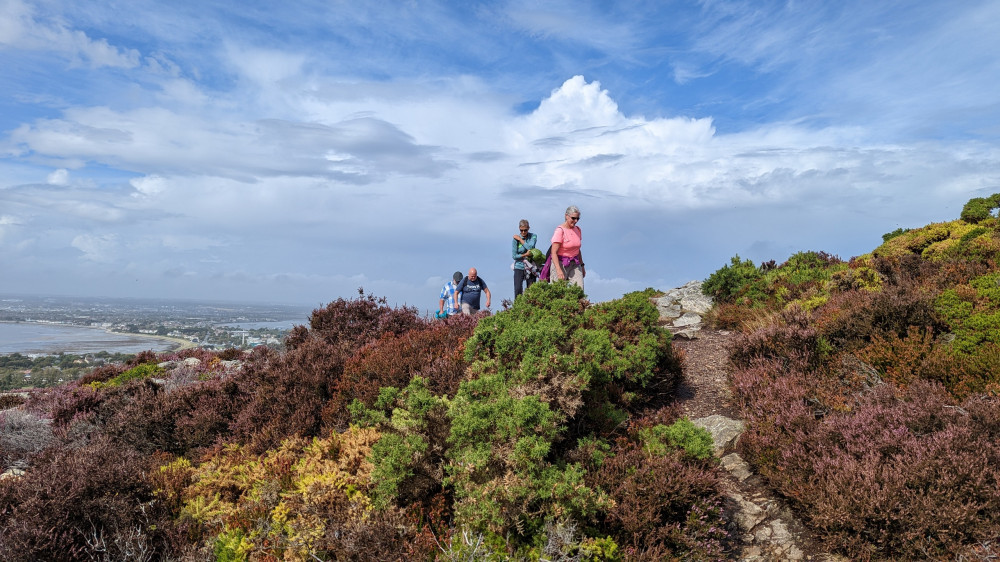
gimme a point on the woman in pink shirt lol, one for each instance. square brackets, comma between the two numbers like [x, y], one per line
[566, 247]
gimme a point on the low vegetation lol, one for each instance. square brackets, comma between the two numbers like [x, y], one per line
[544, 431]
[871, 388]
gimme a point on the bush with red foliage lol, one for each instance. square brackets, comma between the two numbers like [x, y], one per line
[790, 336]
[352, 349]
[666, 506]
[89, 503]
[850, 319]
[350, 324]
[902, 473]
[181, 421]
[285, 395]
[435, 352]
[64, 403]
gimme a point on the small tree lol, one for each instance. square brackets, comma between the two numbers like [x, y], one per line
[980, 208]
[729, 282]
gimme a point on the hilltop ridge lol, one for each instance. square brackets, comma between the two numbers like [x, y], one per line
[556, 429]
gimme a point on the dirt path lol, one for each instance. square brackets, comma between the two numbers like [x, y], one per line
[766, 528]
[705, 390]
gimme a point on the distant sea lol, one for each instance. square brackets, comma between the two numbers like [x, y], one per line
[274, 325]
[30, 337]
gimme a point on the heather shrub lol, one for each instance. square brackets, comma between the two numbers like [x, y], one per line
[86, 503]
[63, 403]
[9, 401]
[351, 323]
[286, 395]
[664, 506]
[433, 351]
[102, 374]
[904, 474]
[304, 390]
[180, 421]
[732, 316]
[850, 319]
[789, 335]
[139, 372]
[901, 361]
[230, 354]
[22, 433]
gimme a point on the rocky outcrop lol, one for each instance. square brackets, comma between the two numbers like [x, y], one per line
[682, 309]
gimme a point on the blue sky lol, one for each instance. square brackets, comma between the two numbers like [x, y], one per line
[241, 151]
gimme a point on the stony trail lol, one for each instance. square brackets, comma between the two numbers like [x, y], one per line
[766, 528]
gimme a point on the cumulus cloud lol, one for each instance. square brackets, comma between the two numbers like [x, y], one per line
[318, 160]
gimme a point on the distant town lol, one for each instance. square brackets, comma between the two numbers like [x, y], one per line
[209, 325]
[191, 323]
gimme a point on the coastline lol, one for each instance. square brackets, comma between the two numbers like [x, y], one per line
[176, 344]
[181, 343]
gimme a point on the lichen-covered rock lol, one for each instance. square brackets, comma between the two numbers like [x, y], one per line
[725, 431]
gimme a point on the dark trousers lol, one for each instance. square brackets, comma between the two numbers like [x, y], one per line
[519, 281]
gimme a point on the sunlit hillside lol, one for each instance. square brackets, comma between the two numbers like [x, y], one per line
[870, 388]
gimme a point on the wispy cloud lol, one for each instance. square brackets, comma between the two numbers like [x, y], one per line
[22, 27]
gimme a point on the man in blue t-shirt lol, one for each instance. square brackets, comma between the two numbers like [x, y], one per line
[471, 287]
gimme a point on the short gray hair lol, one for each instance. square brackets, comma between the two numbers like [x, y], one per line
[523, 223]
[572, 209]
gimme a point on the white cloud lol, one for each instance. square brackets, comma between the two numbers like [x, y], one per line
[21, 28]
[263, 66]
[299, 153]
[96, 248]
[7, 223]
[58, 177]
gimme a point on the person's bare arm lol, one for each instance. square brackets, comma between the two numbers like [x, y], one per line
[556, 264]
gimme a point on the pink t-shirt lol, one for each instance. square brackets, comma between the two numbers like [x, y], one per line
[570, 240]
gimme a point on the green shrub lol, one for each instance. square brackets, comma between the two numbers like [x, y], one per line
[546, 373]
[733, 280]
[232, 546]
[890, 235]
[979, 209]
[408, 459]
[682, 434]
[139, 372]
